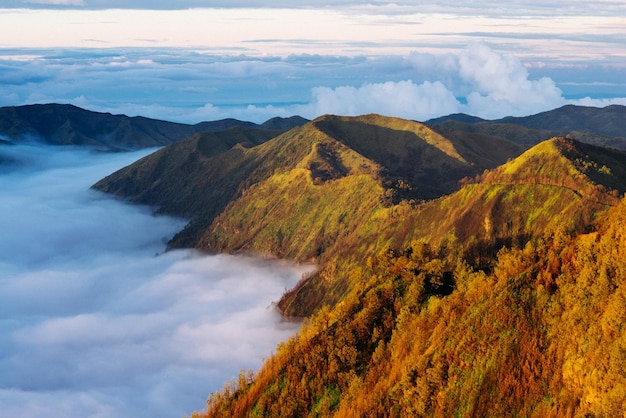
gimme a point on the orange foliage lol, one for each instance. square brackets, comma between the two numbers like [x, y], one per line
[541, 336]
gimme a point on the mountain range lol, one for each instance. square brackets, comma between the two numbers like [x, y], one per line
[465, 267]
[338, 188]
[64, 124]
[599, 126]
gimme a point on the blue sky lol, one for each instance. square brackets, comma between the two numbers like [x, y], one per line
[199, 60]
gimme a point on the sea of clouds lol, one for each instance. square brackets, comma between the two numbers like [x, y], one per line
[96, 320]
[194, 85]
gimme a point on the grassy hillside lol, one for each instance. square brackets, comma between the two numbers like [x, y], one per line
[339, 189]
[549, 187]
[228, 174]
[353, 167]
[425, 328]
[458, 275]
[194, 178]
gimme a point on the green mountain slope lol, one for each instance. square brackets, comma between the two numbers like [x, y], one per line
[61, 124]
[496, 300]
[541, 335]
[555, 185]
[458, 275]
[303, 173]
[194, 178]
[430, 162]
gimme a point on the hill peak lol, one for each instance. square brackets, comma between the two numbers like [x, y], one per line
[418, 129]
[594, 172]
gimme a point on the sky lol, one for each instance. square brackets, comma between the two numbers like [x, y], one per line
[195, 60]
[96, 320]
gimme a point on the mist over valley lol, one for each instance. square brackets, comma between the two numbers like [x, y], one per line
[96, 319]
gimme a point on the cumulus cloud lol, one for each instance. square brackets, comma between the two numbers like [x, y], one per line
[477, 81]
[96, 319]
[588, 101]
[500, 85]
[192, 86]
[404, 99]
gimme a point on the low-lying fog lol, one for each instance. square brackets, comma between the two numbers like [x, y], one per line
[95, 320]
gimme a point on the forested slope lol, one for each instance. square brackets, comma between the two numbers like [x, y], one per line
[541, 334]
[560, 183]
[458, 275]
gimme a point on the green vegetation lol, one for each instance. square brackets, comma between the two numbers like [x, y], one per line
[540, 335]
[201, 176]
[458, 276]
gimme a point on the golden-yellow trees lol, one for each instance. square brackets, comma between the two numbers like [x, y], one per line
[542, 335]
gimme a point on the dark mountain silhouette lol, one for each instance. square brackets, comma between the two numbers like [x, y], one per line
[63, 124]
[609, 121]
[599, 126]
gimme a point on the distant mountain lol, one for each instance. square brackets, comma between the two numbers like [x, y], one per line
[284, 124]
[609, 121]
[600, 126]
[457, 117]
[63, 124]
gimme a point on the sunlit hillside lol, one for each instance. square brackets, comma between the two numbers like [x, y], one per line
[525, 324]
[458, 275]
[540, 334]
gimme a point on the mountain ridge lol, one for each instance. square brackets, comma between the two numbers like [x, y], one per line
[460, 273]
[502, 298]
[65, 124]
[452, 264]
[329, 148]
[334, 189]
[599, 126]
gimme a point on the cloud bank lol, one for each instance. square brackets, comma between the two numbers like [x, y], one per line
[192, 86]
[93, 322]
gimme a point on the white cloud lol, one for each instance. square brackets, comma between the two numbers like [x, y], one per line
[493, 86]
[95, 323]
[192, 86]
[500, 85]
[403, 99]
[56, 2]
[588, 101]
